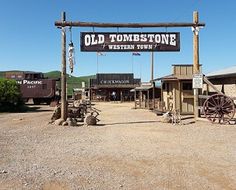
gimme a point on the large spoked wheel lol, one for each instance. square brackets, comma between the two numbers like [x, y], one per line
[219, 108]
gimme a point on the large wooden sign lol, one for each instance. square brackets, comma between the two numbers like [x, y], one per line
[123, 42]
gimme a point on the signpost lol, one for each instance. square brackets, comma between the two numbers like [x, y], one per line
[197, 81]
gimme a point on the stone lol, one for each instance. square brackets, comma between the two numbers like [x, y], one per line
[72, 122]
[56, 114]
[3, 172]
[65, 123]
[166, 118]
[90, 120]
[59, 121]
[68, 119]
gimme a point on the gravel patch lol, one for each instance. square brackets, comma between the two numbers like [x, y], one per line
[128, 149]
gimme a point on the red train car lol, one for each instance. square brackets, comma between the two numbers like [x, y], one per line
[34, 85]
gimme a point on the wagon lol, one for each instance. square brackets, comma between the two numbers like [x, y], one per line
[218, 108]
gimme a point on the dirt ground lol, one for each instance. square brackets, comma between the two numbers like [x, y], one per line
[129, 149]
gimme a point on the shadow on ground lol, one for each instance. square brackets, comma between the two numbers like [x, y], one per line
[131, 122]
[38, 109]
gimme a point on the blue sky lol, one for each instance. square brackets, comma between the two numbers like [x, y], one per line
[30, 41]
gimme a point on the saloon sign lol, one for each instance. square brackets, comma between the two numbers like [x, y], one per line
[121, 42]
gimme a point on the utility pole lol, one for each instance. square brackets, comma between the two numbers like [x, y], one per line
[97, 62]
[63, 69]
[152, 65]
[196, 66]
[152, 79]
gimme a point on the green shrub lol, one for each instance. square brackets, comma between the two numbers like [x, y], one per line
[10, 96]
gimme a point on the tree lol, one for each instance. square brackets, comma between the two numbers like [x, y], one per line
[10, 95]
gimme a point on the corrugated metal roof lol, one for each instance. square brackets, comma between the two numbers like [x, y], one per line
[143, 87]
[167, 76]
[223, 72]
[174, 77]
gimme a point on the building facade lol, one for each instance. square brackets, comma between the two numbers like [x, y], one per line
[224, 80]
[147, 95]
[113, 86]
[177, 92]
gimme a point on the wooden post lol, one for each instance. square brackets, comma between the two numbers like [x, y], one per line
[90, 90]
[140, 98]
[180, 98]
[152, 65]
[196, 60]
[152, 80]
[63, 69]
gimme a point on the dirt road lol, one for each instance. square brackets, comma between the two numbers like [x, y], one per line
[129, 149]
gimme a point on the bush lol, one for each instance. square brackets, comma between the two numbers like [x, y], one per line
[10, 96]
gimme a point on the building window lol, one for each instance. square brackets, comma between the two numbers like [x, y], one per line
[187, 86]
[165, 86]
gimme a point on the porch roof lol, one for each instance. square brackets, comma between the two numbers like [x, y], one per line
[174, 77]
[141, 88]
[223, 73]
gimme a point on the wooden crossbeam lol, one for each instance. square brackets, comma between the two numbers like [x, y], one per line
[212, 85]
[126, 25]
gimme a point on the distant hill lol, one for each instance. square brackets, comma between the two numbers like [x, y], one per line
[72, 81]
[2, 74]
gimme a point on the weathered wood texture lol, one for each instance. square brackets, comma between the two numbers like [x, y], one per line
[212, 85]
[126, 25]
[63, 70]
[196, 61]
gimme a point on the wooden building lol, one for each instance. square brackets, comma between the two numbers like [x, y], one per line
[224, 80]
[177, 92]
[113, 86]
[146, 96]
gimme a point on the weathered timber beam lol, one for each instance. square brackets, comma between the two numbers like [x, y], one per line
[208, 96]
[203, 96]
[212, 85]
[126, 25]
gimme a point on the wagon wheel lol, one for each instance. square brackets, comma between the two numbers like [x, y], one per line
[219, 108]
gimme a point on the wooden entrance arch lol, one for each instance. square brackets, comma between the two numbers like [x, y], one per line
[63, 24]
